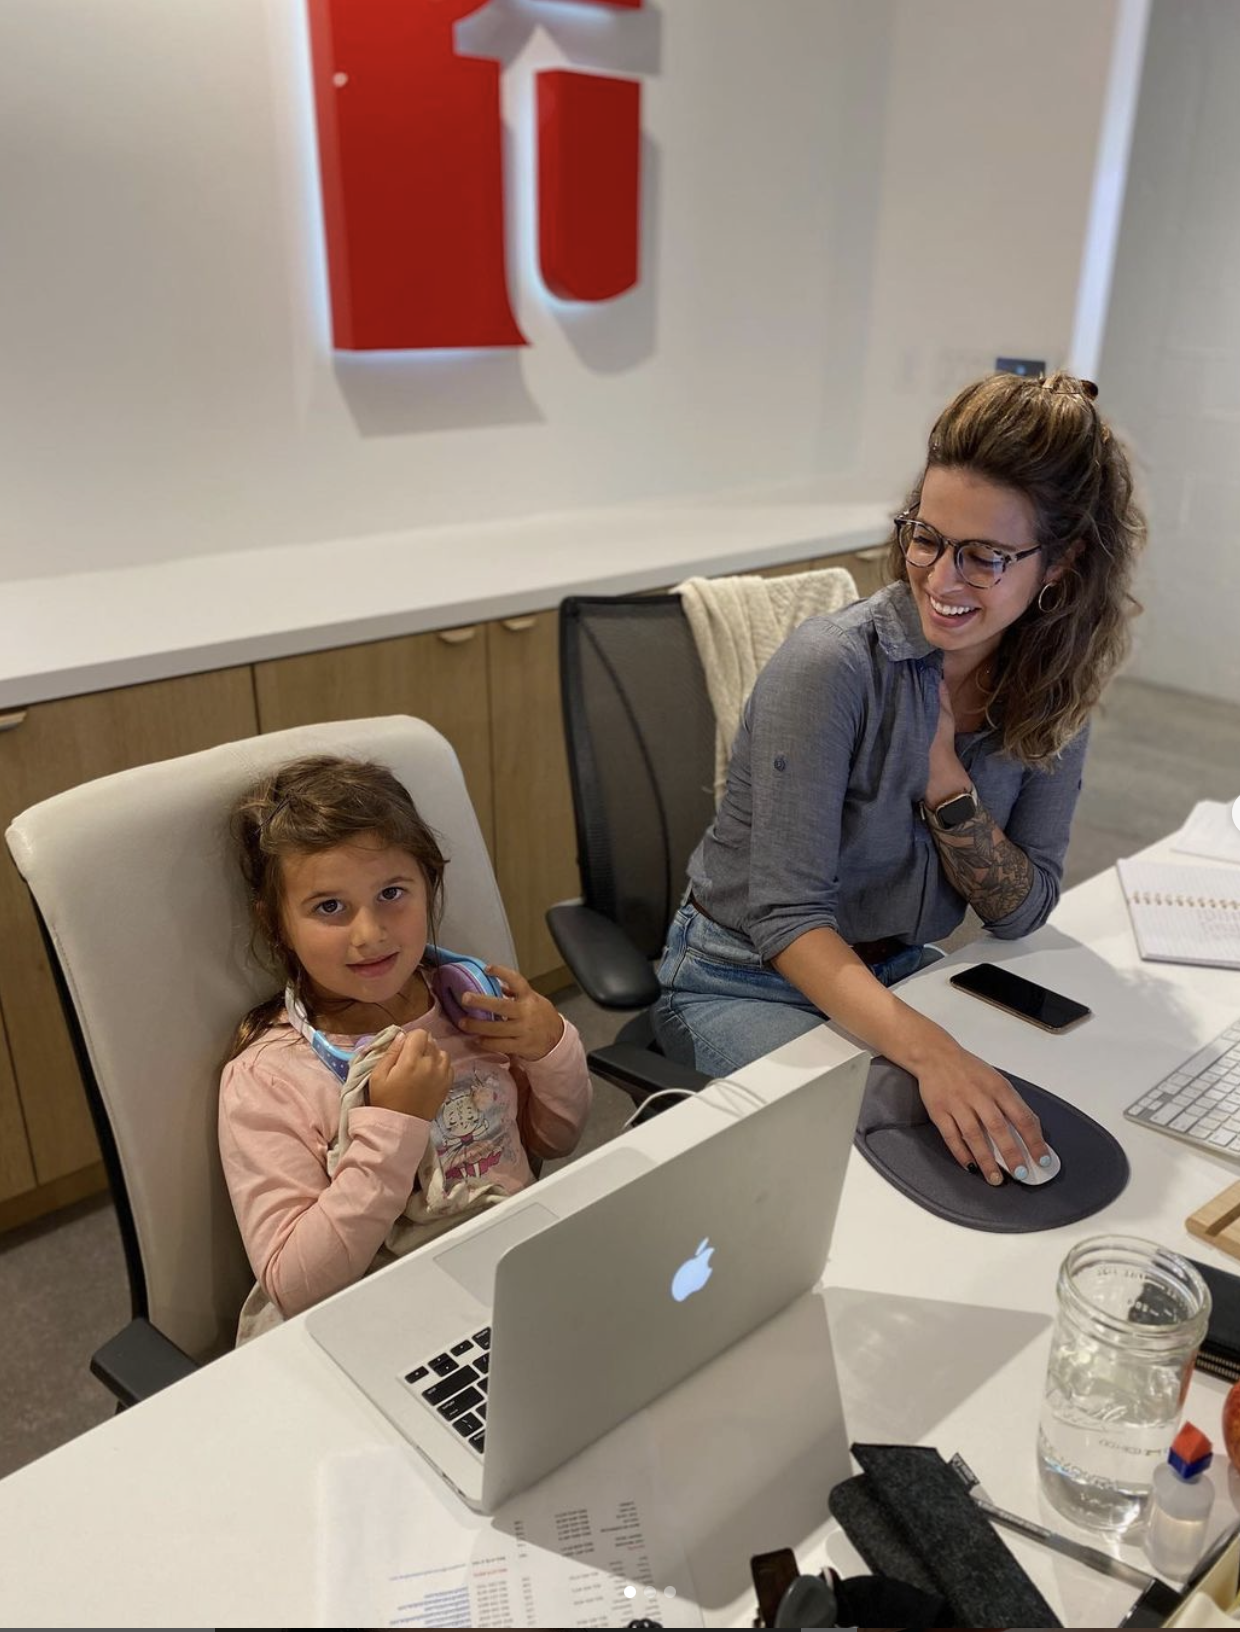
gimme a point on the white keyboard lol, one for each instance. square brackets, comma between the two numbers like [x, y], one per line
[1199, 1102]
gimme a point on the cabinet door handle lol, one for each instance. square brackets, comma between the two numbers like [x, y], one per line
[876, 552]
[457, 637]
[518, 625]
[10, 722]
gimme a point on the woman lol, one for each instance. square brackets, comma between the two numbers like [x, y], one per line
[915, 754]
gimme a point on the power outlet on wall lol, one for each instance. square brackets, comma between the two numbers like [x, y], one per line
[1029, 368]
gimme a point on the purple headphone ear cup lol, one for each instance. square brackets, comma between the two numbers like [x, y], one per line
[449, 981]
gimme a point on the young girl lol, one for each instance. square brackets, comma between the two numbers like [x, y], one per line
[356, 1119]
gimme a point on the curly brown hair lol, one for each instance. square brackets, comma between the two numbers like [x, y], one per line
[307, 806]
[1045, 439]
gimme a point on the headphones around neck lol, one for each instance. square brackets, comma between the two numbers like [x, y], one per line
[449, 974]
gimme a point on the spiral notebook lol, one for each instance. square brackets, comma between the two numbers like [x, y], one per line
[1184, 914]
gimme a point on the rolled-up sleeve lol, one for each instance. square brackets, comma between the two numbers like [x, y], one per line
[1040, 825]
[803, 719]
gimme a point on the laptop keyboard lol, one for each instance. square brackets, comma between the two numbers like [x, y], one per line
[1200, 1101]
[453, 1383]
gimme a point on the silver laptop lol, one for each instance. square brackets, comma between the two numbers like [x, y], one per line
[501, 1354]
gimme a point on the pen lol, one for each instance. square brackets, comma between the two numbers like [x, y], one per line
[1093, 1556]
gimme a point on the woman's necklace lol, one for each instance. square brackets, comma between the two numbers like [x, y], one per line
[973, 699]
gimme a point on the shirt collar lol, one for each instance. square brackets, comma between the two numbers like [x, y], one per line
[898, 625]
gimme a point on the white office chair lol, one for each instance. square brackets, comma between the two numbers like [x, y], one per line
[145, 915]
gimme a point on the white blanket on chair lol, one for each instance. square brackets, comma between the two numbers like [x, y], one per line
[738, 623]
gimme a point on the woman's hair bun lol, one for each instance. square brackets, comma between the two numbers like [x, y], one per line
[1070, 385]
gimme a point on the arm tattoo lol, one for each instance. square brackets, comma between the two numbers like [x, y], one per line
[992, 873]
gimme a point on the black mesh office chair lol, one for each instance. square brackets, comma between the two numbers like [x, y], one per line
[640, 732]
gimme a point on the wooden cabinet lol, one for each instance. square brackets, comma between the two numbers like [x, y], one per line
[16, 1163]
[48, 748]
[535, 835]
[866, 567]
[788, 570]
[494, 692]
[439, 677]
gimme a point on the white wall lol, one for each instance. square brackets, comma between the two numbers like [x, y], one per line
[991, 136]
[166, 386]
[1171, 356]
[853, 206]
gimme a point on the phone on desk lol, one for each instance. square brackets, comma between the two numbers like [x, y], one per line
[1025, 998]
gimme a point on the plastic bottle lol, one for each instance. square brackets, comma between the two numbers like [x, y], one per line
[1180, 1503]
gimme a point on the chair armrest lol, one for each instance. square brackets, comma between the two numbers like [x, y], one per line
[610, 970]
[641, 1072]
[139, 1361]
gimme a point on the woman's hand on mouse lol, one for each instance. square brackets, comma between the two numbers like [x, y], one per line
[414, 1076]
[525, 1025]
[967, 1099]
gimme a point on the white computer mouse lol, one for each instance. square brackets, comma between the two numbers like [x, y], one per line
[1033, 1173]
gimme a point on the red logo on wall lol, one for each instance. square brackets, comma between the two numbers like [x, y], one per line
[412, 165]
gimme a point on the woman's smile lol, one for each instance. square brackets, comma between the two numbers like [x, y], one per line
[955, 613]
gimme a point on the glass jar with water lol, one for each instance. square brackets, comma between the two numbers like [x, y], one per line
[1131, 1318]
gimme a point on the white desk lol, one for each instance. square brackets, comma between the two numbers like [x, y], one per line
[201, 1506]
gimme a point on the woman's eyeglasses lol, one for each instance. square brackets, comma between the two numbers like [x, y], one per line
[980, 565]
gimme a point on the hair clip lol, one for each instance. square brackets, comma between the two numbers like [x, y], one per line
[265, 821]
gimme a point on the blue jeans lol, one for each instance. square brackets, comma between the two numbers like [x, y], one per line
[722, 1007]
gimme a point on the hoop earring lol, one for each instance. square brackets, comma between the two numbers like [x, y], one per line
[1058, 606]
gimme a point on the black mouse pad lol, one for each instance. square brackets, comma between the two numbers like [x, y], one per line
[896, 1136]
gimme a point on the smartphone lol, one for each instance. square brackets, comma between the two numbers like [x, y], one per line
[994, 984]
[773, 1573]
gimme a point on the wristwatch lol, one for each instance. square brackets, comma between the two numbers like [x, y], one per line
[954, 813]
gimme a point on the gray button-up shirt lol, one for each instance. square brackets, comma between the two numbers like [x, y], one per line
[819, 822]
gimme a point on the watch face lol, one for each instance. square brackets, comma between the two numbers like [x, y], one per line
[955, 811]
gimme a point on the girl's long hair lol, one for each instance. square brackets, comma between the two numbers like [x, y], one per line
[312, 805]
[1045, 439]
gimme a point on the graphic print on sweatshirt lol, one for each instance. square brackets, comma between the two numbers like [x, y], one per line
[475, 1127]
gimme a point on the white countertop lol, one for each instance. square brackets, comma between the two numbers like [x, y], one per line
[91, 631]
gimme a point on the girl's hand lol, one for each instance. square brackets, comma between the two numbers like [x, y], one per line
[413, 1077]
[967, 1098]
[526, 1025]
[946, 775]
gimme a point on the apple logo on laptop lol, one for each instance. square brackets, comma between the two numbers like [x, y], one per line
[694, 1273]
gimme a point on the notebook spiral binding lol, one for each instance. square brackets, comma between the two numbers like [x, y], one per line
[1216, 1366]
[1155, 898]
